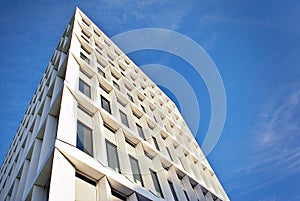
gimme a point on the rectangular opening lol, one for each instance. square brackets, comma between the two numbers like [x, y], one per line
[156, 183]
[112, 156]
[105, 104]
[124, 119]
[84, 88]
[137, 177]
[116, 85]
[84, 138]
[140, 131]
[173, 191]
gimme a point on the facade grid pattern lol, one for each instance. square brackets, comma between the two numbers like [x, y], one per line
[97, 128]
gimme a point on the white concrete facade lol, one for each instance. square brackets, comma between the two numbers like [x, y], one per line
[97, 128]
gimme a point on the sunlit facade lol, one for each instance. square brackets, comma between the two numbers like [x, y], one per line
[97, 128]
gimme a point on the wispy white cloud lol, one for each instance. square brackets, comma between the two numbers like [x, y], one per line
[276, 146]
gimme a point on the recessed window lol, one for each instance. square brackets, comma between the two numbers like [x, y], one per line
[111, 63]
[97, 34]
[98, 51]
[112, 156]
[84, 138]
[124, 118]
[101, 72]
[156, 183]
[140, 130]
[155, 143]
[186, 195]
[143, 108]
[168, 150]
[84, 88]
[173, 191]
[130, 97]
[155, 119]
[105, 104]
[116, 85]
[84, 37]
[82, 56]
[137, 177]
[85, 22]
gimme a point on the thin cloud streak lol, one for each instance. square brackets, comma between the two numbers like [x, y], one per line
[276, 145]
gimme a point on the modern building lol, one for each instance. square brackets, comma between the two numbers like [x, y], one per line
[97, 128]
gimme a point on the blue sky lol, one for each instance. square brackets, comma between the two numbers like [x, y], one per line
[254, 44]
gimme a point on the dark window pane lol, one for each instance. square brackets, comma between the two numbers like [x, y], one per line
[143, 108]
[112, 156]
[168, 150]
[84, 138]
[116, 85]
[156, 183]
[101, 72]
[186, 195]
[137, 177]
[84, 88]
[140, 130]
[130, 97]
[173, 191]
[155, 143]
[105, 104]
[82, 56]
[124, 118]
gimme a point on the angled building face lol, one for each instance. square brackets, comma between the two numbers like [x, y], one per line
[97, 128]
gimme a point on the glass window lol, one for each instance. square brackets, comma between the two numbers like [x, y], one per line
[155, 143]
[112, 156]
[101, 72]
[116, 85]
[84, 138]
[186, 195]
[124, 118]
[156, 183]
[173, 191]
[105, 104]
[130, 97]
[82, 56]
[140, 130]
[84, 88]
[143, 108]
[168, 150]
[137, 177]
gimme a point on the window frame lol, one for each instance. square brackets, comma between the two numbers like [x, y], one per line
[104, 103]
[124, 120]
[156, 183]
[82, 90]
[140, 131]
[82, 144]
[116, 155]
[137, 177]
